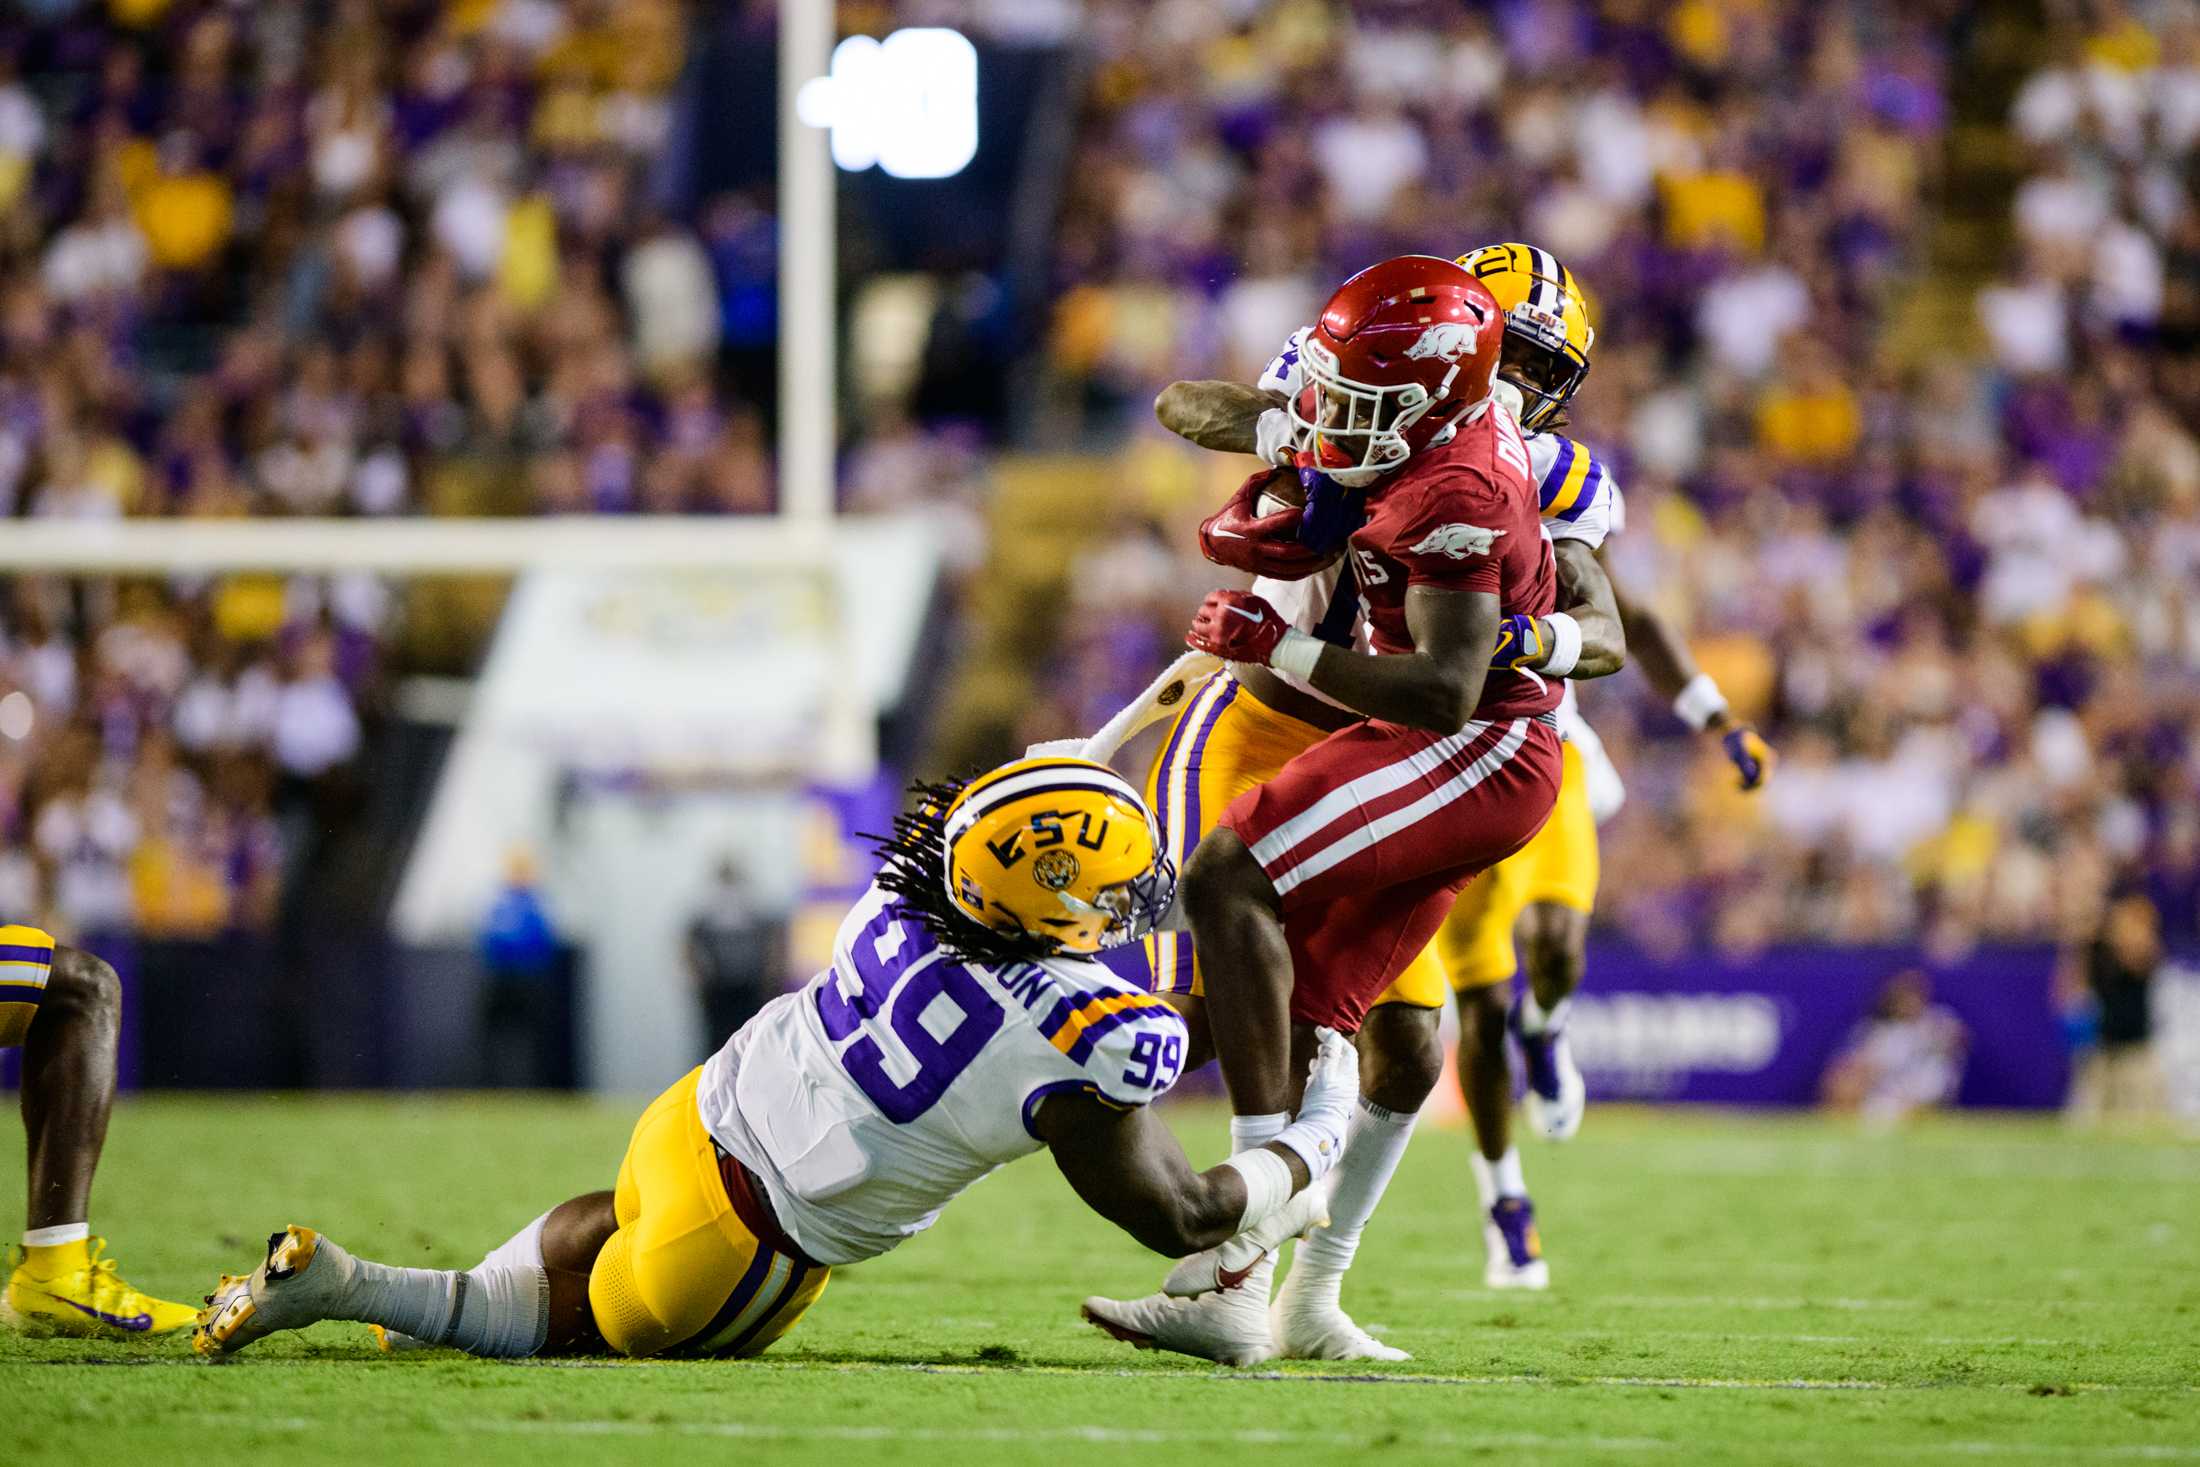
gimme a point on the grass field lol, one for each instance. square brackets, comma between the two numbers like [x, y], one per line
[1725, 1289]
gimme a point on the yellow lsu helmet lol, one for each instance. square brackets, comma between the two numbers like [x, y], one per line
[1061, 849]
[1547, 330]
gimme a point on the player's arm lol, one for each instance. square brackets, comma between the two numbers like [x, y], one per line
[1585, 595]
[1664, 657]
[1223, 416]
[1436, 686]
[1129, 1167]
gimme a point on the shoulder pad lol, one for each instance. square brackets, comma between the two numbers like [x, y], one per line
[1129, 1043]
[1573, 488]
[1283, 373]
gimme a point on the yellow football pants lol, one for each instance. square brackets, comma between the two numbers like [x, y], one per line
[683, 1274]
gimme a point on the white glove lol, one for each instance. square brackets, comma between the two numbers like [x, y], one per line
[1332, 1089]
[1275, 437]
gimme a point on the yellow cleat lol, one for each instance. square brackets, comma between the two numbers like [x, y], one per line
[91, 1299]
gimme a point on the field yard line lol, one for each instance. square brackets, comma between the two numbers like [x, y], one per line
[1773, 1301]
[1785, 1337]
[1250, 1436]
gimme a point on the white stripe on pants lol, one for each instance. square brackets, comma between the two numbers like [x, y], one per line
[1359, 838]
[1366, 789]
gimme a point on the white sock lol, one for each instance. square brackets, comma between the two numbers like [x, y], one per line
[1499, 1178]
[1374, 1144]
[500, 1312]
[56, 1236]
[1534, 1018]
[522, 1250]
[1247, 1132]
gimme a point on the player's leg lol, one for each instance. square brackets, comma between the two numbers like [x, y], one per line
[1401, 1063]
[1554, 937]
[563, 1243]
[64, 1006]
[1559, 872]
[1477, 950]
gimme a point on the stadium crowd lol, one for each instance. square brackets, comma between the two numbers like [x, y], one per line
[1957, 590]
[406, 257]
[304, 258]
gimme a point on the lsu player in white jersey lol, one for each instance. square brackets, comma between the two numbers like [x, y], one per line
[964, 1022]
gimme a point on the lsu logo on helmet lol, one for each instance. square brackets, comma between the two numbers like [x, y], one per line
[1447, 341]
[1062, 850]
[1457, 541]
[1547, 330]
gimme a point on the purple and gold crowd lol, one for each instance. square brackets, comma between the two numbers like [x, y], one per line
[1942, 542]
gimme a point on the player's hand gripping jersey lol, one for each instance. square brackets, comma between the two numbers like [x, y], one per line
[900, 1075]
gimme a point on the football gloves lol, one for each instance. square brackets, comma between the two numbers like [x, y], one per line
[1753, 758]
[1239, 536]
[1236, 626]
[1520, 643]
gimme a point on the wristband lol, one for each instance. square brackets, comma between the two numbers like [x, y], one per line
[1267, 1184]
[1296, 655]
[1565, 645]
[1314, 1142]
[1272, 435]
[1699, 702]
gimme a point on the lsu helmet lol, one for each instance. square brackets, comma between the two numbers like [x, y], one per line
[1400, 354]
[1061, 849]
[1547, 330]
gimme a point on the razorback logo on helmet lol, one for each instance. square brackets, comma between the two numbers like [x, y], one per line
[1446, 341]
[1457, 541]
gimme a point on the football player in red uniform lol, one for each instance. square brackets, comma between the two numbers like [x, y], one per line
[1341, 868]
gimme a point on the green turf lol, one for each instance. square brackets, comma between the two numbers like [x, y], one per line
[1726, 1290]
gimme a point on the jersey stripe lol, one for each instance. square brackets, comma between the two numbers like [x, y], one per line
[1590, 489]
[1075, 1038]
[1566, 490]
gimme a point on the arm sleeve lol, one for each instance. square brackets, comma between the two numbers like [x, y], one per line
[1452, 535]
[1283, 373]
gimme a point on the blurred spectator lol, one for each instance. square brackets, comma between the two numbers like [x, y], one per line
[2119, 1076]
[519, 999]
[1907, 1057]
[736, 952]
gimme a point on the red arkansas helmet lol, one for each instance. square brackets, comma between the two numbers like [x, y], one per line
[1403, 351]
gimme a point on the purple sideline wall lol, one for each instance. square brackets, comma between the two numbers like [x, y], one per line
[1759, 1030]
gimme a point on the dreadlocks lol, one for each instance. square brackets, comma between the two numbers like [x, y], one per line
[914, 869]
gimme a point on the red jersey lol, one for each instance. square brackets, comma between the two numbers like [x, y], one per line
[1463, 517]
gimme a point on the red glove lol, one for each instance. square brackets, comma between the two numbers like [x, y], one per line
[1236, 626]
[1265, 544]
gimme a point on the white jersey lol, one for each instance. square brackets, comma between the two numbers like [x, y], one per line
[1580, 500]
[866, 1100]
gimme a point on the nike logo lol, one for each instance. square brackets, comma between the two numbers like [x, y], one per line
[119, 1321]
[1255, 617]
[1221, 534]
[1234, 1278]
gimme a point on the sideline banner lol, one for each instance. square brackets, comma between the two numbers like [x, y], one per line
[1760, 1030]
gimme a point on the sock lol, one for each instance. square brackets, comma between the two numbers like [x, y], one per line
[1499, 1178]
[50, 1252]
[501, 1311]
[1247, 1132]
[522, 1250]
[1535, 1019]
[1374, 1145]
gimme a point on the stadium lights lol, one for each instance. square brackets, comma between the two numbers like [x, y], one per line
[908, 104]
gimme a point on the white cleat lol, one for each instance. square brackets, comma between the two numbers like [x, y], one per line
[1230, 1327]
[1308, 1331]
[301, 1281]
[1556, 1098]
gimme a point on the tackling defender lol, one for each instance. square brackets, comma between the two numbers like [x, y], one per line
[963, 1023]
[63, 1007]
[1340, 866]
